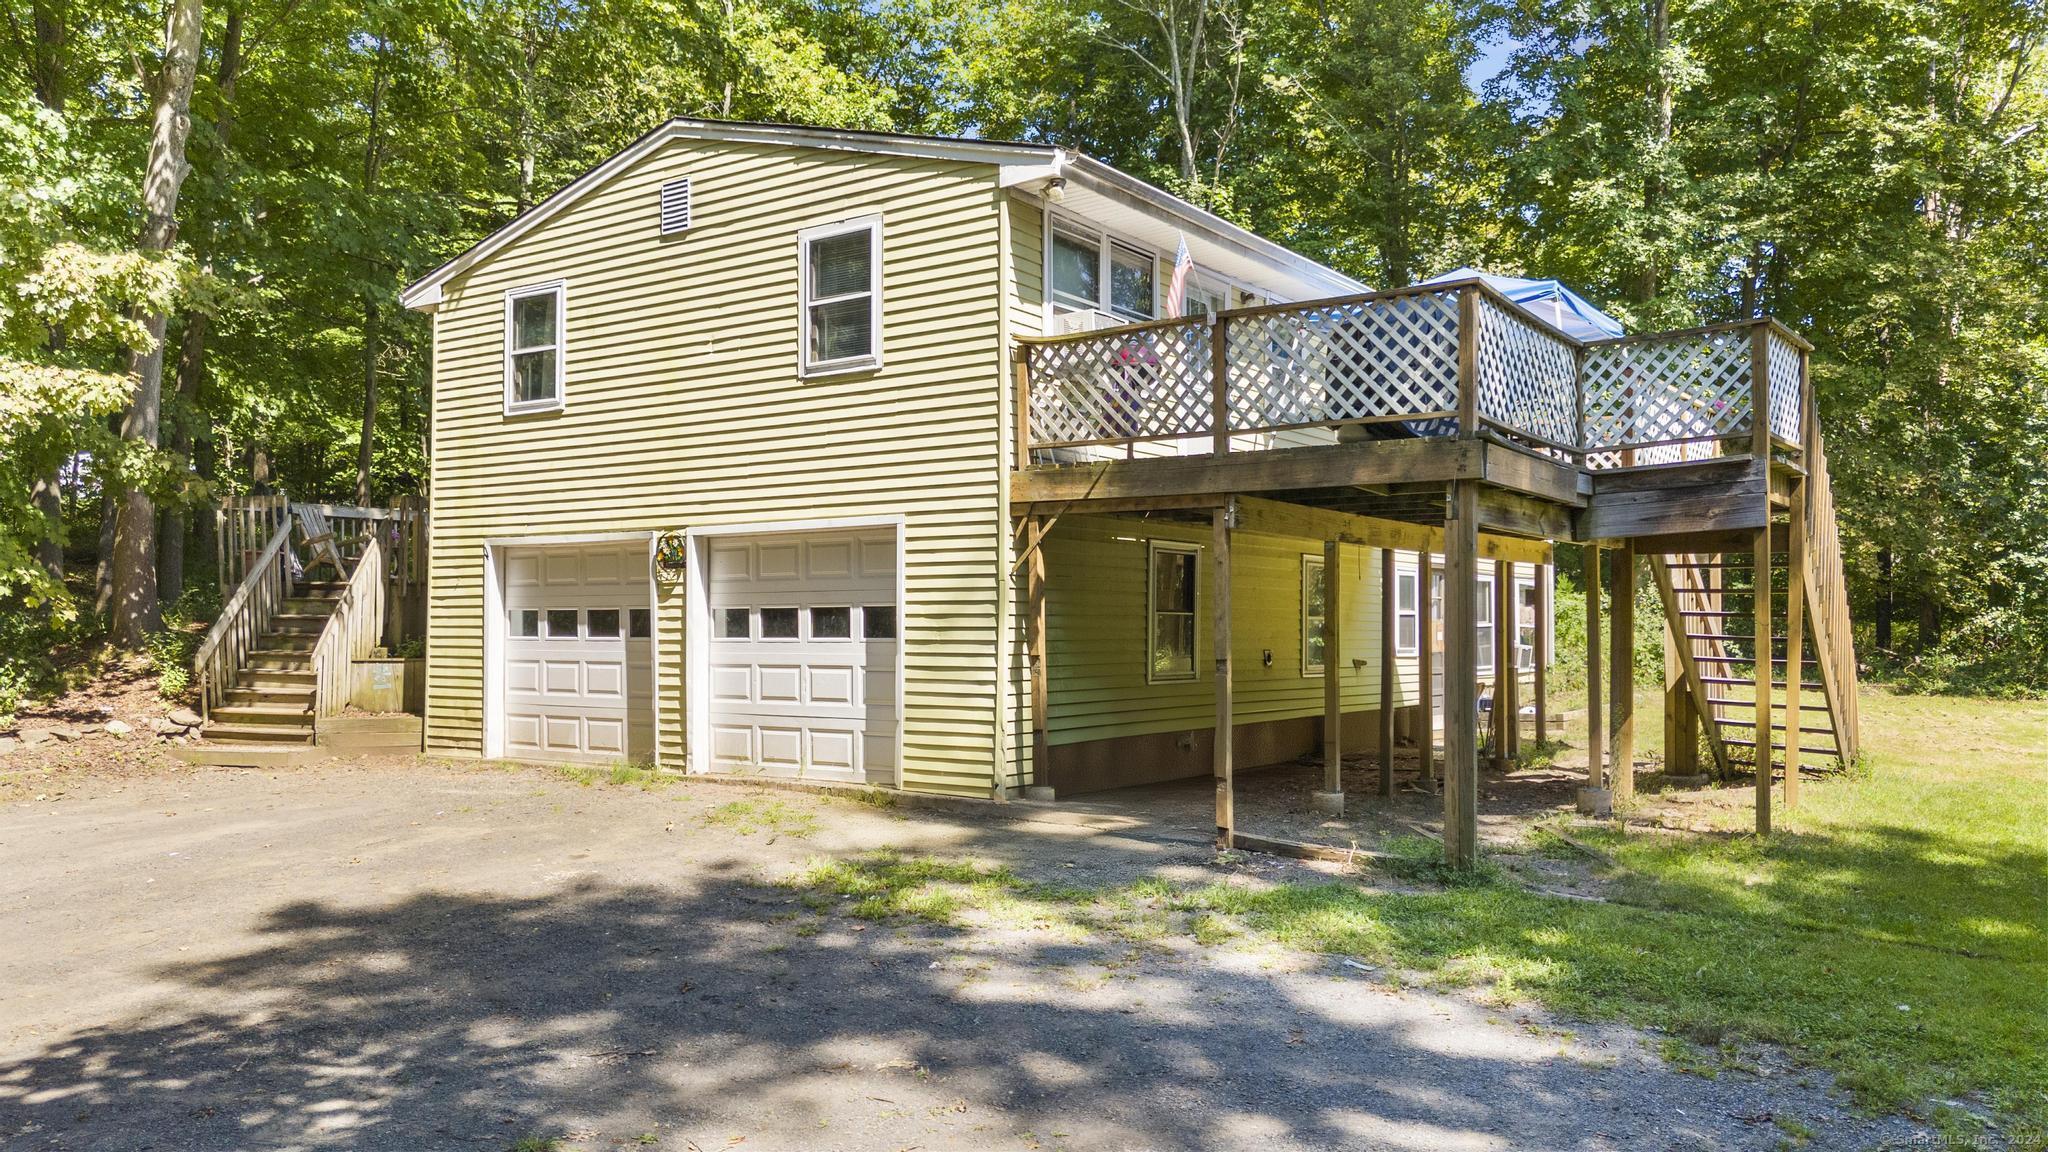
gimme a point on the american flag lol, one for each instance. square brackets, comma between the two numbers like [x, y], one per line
[1177, 288]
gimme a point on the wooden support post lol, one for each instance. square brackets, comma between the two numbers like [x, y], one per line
[1330, 800]
[1461, 675]
[1023, 413]
[1763, 680]
[1544, 576]
[1389, 672]
[1622, 673]
[1681, 714]
[1499, 718]
[1514, 678]
[1596, 717]
[1425, 667]
[1034, 647]
[1219, 390]
[1219, 600]
[1795, 636]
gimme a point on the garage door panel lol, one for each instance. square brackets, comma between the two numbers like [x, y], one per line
[808, 703]
[561, 678]
[832, 685]
[833, 751]
[732, 683]
[781, 747]
[732, 743]
[604, 680]
[576, 686]
[780, 684]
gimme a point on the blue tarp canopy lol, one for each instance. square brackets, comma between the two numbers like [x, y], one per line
[1552, 302]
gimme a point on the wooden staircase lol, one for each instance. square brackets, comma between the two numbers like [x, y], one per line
[274, 701]
[1710, 606]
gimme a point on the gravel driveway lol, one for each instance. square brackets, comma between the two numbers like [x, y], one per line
[408, 956]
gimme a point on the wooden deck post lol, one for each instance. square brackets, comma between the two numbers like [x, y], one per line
[1596, 718]
[1762, 599]
[1795, 637]
[1219, 391]
[1034, 647]
[1513, 680]
[1226, 798]
[1541, 687]
[1388, 672]
[1504, 656]
[1622, 673]
[1023, 412]
[1461, 675]
[1330, 801]
[1425, 667]
[1681, 714]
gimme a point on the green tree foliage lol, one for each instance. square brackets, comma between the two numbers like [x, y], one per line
[1871, 172]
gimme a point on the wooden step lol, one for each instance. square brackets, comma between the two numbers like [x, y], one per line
[272, 660]
[236, 754]
[1804, 686]
[1736, 722]
[1746, 659]
[257, 733]
[314, 605]
[291, 715]
[1712, 612]
[1805, 705]
[283, 696]
[287, 642]
[299, 623]
[1734, 742]
[254, 677]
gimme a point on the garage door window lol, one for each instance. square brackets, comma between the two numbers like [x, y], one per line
[778, 623]
[561, 623]
[734, 624]
[878, 622]
[639, 623]
[603, 623]
[831, 623]
[525, 622]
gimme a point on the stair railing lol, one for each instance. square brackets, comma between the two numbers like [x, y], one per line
[243, 620]
[353, 630]
[1827, 601]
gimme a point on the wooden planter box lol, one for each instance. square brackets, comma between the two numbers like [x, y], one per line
[389, 685]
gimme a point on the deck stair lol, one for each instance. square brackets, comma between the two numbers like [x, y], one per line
[1710, 609]
[279, 657]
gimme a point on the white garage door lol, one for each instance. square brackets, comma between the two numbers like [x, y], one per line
[803, 654]
[578, 654]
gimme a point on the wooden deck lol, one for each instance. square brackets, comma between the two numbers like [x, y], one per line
[1452, 408]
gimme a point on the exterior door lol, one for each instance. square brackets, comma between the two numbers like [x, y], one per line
[578, 653]
[803, 655]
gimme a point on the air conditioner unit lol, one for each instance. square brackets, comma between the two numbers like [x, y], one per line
[1088, 320]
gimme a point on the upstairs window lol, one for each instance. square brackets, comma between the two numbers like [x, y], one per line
[1087, 270]
[1076, 268]
[842, 296]
[533, 347]
[1171, 613]
[1130, 282]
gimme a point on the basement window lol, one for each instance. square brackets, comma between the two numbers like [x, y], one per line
[1485, 615]
[1407, 615]
[1170, 612]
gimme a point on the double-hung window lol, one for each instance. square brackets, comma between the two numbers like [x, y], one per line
[1315, 613]
[842, 296]
[1170, 612]
[1526, 624]
[534, 319]
[1407, 615]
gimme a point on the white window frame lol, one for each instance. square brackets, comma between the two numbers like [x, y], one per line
[808, 368]
[560, 290]
[1153, 549]
[1525, 654]
[1483, 621]
[1411, 579]
[1105, 241]
[1312, 563]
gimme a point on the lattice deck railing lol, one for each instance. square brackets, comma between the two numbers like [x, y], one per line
[1443, 360]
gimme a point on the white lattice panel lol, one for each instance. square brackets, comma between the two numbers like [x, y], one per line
[1686, 388]
[1144, 384]
[1784, 377]
[1526, 376]
[1332, 363]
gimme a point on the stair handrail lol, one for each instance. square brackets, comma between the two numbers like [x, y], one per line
[1827, 601]
[352, 631]
[242, 620]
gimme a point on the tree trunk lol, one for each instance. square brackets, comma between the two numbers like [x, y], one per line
[49, 500]
[1660, 141]
[135, 613]
[372, 163]
[47, 493]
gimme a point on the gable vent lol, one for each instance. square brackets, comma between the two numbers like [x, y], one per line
[675, 206]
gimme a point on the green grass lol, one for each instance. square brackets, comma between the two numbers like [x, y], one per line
[1893, 931]
[748, 817]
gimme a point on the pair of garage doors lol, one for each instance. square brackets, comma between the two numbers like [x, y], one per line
[801, 654]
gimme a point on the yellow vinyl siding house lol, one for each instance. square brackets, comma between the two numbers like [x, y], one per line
[723, 441]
